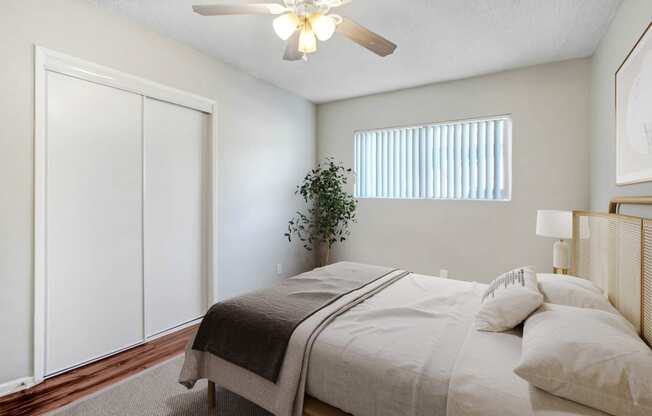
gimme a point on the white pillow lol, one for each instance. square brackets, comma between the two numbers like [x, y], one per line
[571, 280]
[508, 300]
[572, 291]
[589, 356]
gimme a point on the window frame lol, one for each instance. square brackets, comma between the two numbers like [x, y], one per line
[508, 170]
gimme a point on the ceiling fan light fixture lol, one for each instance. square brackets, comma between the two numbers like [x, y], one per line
[323, 26]
[301, 22]
[307, 40]
[285, 25]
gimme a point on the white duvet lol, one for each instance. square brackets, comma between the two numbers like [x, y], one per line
[393, 354]
[411, 350]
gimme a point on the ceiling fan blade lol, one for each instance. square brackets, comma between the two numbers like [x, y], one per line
[231, 9]
[292, 49]
[366, 38]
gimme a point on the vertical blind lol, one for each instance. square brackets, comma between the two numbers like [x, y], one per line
[456, 160]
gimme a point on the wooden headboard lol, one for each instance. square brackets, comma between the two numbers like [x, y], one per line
[614, 251]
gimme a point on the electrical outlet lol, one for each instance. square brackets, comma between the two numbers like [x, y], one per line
[279, 268]
[443, 273]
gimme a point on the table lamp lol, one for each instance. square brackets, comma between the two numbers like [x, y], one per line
[557, 224]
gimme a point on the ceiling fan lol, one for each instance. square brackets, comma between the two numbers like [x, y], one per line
[302, 22]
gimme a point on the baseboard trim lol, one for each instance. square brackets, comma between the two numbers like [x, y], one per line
[16, 385]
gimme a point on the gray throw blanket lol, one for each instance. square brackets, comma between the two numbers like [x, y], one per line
[253, 331]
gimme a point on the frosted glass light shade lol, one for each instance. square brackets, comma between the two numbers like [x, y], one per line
[307, 41]
[285, 25]
[555, 224]
[323, 26]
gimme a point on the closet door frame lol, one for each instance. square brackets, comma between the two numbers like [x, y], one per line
[46, 60]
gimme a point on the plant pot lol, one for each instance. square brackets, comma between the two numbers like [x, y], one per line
[323, 255]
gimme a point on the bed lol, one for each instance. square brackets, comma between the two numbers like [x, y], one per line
[409, 346]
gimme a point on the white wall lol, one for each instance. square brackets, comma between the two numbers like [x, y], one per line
[266, 143]
[630, 21]
[474, 240]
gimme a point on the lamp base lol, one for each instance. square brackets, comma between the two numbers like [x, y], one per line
[560, 258]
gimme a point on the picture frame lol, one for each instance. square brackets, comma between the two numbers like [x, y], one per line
[633, 105]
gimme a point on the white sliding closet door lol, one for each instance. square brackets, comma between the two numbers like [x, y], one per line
[175, 226]
[123, 210]
[93, 221]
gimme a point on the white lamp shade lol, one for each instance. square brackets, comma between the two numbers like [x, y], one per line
[555, 224]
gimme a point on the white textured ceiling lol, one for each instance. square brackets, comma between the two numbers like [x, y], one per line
[437, 40]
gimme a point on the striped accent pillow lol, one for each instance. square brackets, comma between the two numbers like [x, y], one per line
[508, 300]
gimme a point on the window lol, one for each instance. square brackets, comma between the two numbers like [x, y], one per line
[464, 160]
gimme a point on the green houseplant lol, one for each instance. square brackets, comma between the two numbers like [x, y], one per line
[330, 210]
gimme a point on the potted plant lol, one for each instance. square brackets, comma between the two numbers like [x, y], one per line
[330, 210]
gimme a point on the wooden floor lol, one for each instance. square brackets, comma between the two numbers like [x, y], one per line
[67, 387]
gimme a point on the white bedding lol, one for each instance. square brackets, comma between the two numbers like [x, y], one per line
[412, 350]
[484, 383]
[393, 354]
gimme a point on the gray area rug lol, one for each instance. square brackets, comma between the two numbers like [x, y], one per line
[156, 392]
